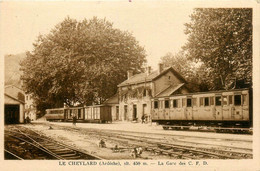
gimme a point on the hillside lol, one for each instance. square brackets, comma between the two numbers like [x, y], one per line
[12, 66]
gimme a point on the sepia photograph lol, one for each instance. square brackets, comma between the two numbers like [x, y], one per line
[130, 85]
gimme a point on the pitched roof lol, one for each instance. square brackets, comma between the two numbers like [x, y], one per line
[14, 98]
[112, 100]
[12, 85]
[143, 77]
[169, 90]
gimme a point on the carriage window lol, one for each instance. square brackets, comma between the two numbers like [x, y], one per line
[218, 101]
[237, 100]
[156, 104]
[166, 104]
[212, 101]
[175, 103]
[189, 102]
[230, 100]
[206, 101]
[194, 102]
[224, 100]
[244, 99]
[201, 101]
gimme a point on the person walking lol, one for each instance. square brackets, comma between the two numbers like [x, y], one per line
[74, 120]
[142, 119]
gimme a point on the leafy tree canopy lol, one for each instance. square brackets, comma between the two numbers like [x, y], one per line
[195, 73]
[221, 38]
[80, 63]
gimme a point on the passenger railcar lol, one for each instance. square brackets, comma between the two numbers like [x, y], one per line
[95, 114]
[56, 114]
[231, 109]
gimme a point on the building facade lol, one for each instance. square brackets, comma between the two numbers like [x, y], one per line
[30, 109]
[136, 92]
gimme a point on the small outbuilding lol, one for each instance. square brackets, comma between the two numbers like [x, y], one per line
[114, 103]
[14, 105]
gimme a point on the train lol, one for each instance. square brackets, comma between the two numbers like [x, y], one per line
[221, 110]
[89, 114]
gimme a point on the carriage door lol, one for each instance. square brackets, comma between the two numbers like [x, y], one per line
[227, 109]
[161, 110]
[237, 115]
[167, 109]
[218, 108]
[155, 108]
[245, 107]
[189, 108]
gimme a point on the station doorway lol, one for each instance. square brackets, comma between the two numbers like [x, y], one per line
[12, 113]
[134, 112]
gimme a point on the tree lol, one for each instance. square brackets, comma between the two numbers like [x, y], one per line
[80, 63]
[196, 74]
[222, 39]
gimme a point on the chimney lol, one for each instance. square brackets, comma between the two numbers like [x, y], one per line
[160, 67]
[129, 74]
[148, 70]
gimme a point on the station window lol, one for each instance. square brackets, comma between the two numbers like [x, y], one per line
[212, 101]
[194, 102]
[225, 100]
[155, 104]
[218, 100]
[237, 100]
[175, 103]
[166, 104]
[79, 113]
[189, 102]
[144, 93]
[206, 101]
[230, 100]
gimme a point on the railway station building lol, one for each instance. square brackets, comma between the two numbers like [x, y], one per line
[14, 105]
[136, 92]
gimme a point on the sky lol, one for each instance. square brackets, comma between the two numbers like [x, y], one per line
[158, 26]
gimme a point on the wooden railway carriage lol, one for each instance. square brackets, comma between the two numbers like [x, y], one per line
[96, 113]
[69, 113]
[220, 108]
[55, 114]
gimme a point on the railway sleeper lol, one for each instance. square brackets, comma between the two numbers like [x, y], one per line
[63, 152]
[68, 155]
[74, 158]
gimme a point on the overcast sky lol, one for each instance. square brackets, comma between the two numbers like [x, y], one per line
[158, 26]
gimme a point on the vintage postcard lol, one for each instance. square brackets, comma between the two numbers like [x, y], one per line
[130, 85]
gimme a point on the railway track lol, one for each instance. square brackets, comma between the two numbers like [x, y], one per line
[23, 143]
[159, 146]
